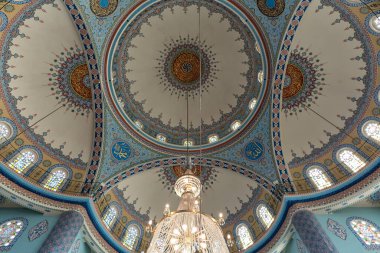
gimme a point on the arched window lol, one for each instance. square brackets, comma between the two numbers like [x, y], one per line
[367, 232]
[5, 131]
[318, 177]
[110, 215]
[260, 77]
[131, 237]
[9, 232]
[244, 236]
[235, 125]
[371, 130]
[55, 179]
[265, 215]
[350, 160]
[252, 104]
[24, 160]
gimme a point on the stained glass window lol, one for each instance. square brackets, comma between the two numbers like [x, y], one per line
[5, 132]
[131, 237]
[213, 138]
[371, 130]
[188, 143]
[235, 125]
[9, 231]
[244, 236]
[375, 23]
[318, 177]
[257, 47]
[161, 137]
[252, 103]
[139, 124]
[55, 179]
[109, 217]
[350, 160]
[260, 77]
[265, 215]
[367, 232]
[23, 160]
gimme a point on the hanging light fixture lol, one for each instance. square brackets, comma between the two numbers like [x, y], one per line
[188, 230]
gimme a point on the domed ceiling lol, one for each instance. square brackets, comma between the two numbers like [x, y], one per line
[159, 64]
[47, 85]
[102, 88]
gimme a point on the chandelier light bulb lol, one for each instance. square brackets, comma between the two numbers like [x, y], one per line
[167, 210]
[230, 242]
[149, 228]
[221, 220]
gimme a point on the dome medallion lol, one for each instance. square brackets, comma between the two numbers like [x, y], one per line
[155, 61]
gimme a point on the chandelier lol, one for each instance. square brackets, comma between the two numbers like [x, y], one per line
[187, 230]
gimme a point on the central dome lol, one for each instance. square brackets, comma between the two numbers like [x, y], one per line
[158, 57]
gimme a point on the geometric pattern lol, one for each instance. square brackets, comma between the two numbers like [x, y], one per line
[63, 235]
[366, 231]
[38, 230]
[312, 233]
[277, 93]
[9, 229]
[96, 93]
[337, 229]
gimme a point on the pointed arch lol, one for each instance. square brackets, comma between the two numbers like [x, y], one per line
[10, 231]
[366, 231]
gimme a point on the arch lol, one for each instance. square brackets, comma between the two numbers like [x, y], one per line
[111, 214]
[350, 159]
[366, 231]
[244, 235]
[370, 130]
[265, 215]
[132, 235]
[56, 178]
[48, 176]
[24, 160]
[8, 131]
[318, 176]
[10, 231]
[113, 181]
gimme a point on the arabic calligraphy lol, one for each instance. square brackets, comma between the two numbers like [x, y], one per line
[254, 150]
[121, 151]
